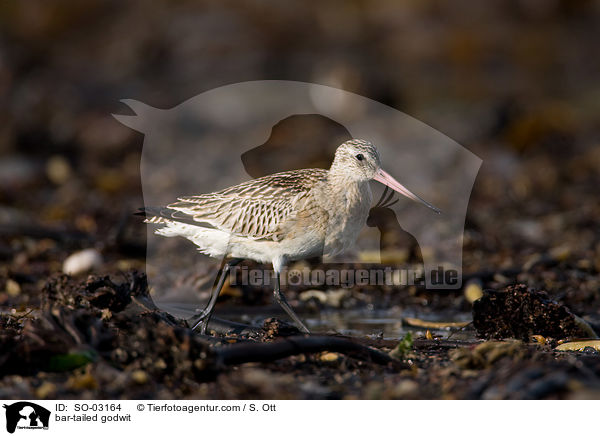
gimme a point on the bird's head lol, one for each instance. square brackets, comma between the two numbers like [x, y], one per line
[358, 160]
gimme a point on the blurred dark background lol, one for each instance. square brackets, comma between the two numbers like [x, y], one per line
[514, 81]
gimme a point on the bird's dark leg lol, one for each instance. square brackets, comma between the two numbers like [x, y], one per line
[207, 312]
[280, 298]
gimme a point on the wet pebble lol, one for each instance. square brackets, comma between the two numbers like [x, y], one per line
[45, 390]
[58, 170]
[406, 389]
[314, 293]
[13, 289]
[329, 357]
[82, 381]
[332, 298]
[82, 261]
[473, 291]
[139, 376]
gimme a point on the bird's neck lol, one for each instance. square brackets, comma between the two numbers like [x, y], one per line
[340, 175]
[347, 189]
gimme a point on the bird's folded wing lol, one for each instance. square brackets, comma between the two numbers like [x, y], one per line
[257, 209]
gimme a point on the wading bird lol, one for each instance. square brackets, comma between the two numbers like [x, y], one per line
[281, 217]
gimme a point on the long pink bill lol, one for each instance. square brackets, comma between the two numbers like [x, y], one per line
[386, 179]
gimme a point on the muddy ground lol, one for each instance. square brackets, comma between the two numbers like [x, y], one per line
[103, 337]
[514, 82]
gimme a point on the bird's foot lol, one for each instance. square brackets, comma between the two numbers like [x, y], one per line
[202, 323]
[303, 328]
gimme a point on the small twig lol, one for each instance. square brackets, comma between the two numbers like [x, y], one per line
[19, 317]
[459, 330]
[293, 345]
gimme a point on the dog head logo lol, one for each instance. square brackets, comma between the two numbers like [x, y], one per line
[26, 415]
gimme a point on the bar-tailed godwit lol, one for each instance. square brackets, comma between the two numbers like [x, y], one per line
[281, 217]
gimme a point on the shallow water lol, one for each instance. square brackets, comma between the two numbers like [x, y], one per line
[386, 324]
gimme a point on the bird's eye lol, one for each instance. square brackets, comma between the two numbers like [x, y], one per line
[359, 156]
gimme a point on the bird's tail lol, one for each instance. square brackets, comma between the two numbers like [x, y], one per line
[166, 215]
[154, 215]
